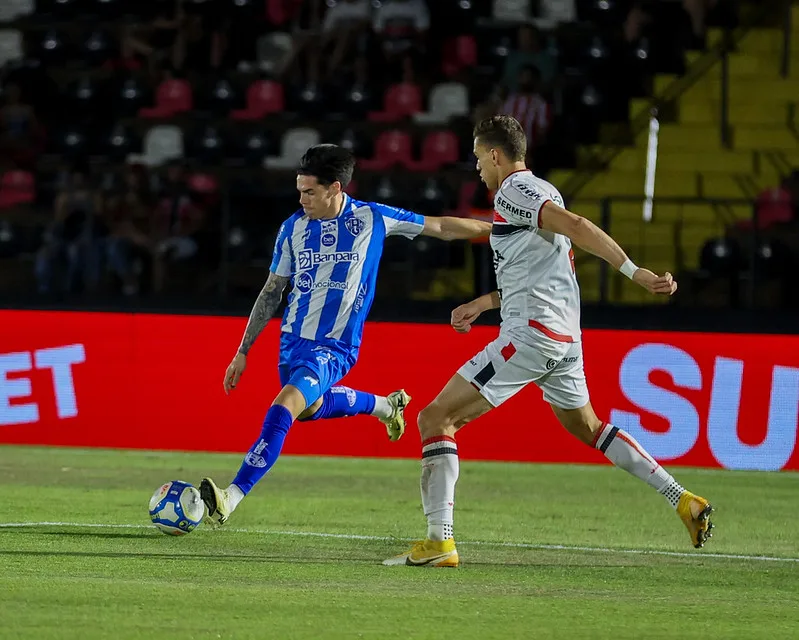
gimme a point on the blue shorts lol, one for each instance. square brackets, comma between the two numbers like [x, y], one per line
[313, 367]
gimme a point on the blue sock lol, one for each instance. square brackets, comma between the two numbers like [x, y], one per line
[341, 402]
[264, 452]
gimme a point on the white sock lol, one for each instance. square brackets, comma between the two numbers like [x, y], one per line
[624, 451]
[234, 496]
[383, 409]
[440, 469]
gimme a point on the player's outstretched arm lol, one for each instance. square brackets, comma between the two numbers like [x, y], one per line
[264, 308]
[262, 311]
[451, 228]
[589, 237]
[464, 315]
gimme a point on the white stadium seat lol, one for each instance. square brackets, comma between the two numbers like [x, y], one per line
[162, 143]
[447, 99]
[10, 45]
[294, 144]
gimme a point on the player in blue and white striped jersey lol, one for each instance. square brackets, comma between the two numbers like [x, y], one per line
[330, 252]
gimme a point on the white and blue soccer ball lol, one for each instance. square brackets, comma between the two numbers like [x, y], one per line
[176, 508]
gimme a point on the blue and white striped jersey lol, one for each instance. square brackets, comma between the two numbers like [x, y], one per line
[333, 267]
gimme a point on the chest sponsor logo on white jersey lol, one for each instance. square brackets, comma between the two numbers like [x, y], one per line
[517, 211]
[304, 283]
[307, 259]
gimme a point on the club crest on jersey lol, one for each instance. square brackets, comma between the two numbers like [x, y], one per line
[354, 225]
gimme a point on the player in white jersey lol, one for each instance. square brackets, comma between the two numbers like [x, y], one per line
[538, 342]
[330, 252]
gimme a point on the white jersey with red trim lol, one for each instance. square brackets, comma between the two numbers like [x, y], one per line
[535, 268]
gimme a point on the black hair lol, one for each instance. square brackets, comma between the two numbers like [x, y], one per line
[328, 163]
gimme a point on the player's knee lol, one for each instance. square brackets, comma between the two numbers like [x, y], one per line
[432, 422]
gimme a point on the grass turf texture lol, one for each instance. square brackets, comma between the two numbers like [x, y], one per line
[247, 580]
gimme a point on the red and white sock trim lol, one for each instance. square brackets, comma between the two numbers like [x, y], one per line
[439, 445]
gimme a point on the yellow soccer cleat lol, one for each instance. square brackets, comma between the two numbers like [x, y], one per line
[428, 553]
[695, 512]
[395, 423]
[216, 501]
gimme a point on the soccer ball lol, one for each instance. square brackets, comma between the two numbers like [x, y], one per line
[176, 508]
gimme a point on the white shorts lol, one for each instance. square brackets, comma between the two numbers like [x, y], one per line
[521, 355]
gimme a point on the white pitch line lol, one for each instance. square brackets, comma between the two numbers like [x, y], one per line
[484, 543]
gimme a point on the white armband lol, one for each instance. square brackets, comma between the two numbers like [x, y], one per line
[628, 268]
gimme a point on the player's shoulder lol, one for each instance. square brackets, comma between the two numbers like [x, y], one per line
[526, 186]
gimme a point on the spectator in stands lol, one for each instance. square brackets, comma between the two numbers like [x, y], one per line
[529, 52]
[528, 106]
[637, 19]
[74, 238]
[130, 217]
[177, 222]
[201, 40]
[344, 30]
[18, 126]
[402, 27]
[156, 39]
[698, 11]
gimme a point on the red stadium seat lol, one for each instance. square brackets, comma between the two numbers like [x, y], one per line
[391, 148]
[400, 101]
[439, 148]
[173, 96]
[263, 97]
[459, 53]
[16, 187]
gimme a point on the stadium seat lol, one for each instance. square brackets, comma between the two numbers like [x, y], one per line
[292, 147]
[10, 46]
[161, 144]
[355, 142]
[52, 48]
[12, 9]
[97, 47]
[459, 53]
[73, 141]
[220, 97]
[309, 101]
[721, 257]
[432, 199]
[172, 97]
[513, 11]
[400, 101]
[263, 97]
[83, 95]
[392, 148]
[130, 97]
[208, 145]
[253, 148]
[16, 187]
[439, 148]
[206, 186]
[272, 50]
[446, 100]
[118, 143]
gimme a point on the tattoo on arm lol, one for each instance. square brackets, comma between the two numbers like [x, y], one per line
[263, 309]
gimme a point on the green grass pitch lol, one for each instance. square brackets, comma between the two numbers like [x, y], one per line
[547, 551]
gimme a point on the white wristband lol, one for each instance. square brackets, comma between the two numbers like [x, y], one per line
[628, 268]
